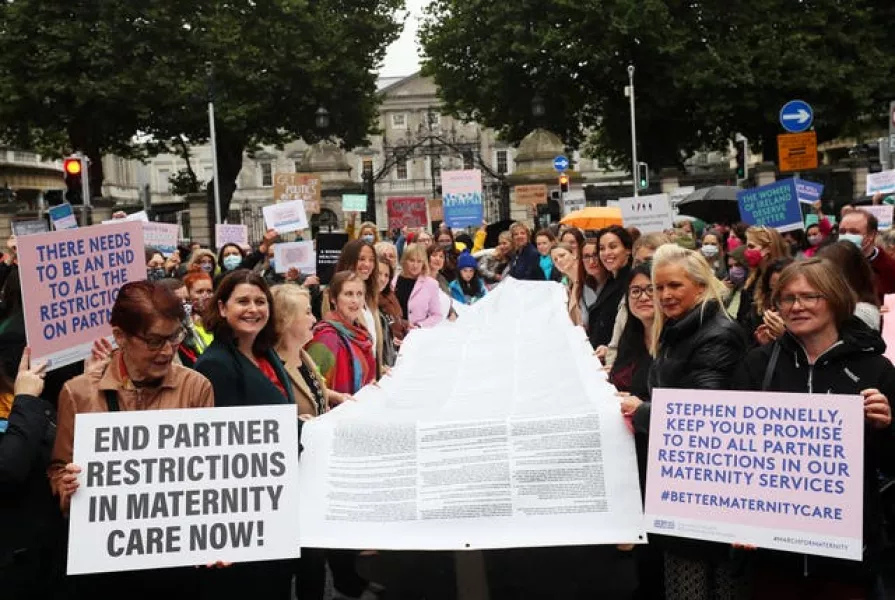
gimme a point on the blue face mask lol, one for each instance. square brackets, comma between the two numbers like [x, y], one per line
[232, 262]
[854, 238]
[369, 238]
[207, 267]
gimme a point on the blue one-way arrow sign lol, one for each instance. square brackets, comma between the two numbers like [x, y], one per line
[560, 163]
[796, 116]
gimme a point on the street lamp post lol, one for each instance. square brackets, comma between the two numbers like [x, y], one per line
[209, 69]
[630, 93]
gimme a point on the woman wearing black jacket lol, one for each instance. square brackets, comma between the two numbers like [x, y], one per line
[826, 350]
[245, 370]
[695, 345]
[31, 520]
[615, 244]
[525, 262]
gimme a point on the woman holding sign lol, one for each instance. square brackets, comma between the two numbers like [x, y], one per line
[147, 322]
[827, 350]
[695, 345]
[245, 370]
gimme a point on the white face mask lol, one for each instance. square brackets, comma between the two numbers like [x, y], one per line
[709, 250]
[854, 238]
[815, 240]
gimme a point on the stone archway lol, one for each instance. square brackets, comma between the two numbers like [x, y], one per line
[326, 219]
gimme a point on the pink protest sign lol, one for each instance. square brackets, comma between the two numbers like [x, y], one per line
[773, 470]
[70, 280]
[889, 327]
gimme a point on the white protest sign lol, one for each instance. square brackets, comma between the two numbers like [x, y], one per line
[649, 214]
[299, 255]
[175, 488]
[137, 216]
[286, 216]
[883, 183]
[883, 214]
[62, 217]
[231, 234]
[572, 201]
[161, 236]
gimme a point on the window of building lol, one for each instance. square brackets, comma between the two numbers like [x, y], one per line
[164, 186]
[399, 121]
[434, 120]
[436, 167]
[468, 161]
[297, 166]
[266, 174]
[503, 162]
[366, 168]
[401, 169]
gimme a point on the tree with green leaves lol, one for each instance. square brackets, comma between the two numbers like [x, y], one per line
[705, 70]
[128, 78]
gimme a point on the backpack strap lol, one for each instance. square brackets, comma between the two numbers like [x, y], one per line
[772, 366]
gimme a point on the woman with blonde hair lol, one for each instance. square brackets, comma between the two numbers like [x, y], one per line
[764, 245]
[417, 292]
[493, 266]
[695, 345]
[294, 324]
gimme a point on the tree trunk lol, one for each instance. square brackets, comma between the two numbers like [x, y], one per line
[230, 147]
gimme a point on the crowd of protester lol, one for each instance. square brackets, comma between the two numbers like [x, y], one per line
[720, 307]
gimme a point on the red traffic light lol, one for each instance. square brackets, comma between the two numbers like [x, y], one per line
[72, 166]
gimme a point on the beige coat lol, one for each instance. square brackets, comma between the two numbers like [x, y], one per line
[181, 388]
[304, 396]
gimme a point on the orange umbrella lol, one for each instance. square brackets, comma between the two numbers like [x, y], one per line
[594, 217]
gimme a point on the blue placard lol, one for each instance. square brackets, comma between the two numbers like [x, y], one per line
[463, 209]
[775, 205]
[796, 116]
[808, 192]
[560, 163]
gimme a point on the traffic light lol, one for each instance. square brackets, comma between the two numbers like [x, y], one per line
[742, 147]
[642, 176]
[563, 183]
[74, 172]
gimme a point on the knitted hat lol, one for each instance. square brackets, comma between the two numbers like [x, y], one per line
[466, 261]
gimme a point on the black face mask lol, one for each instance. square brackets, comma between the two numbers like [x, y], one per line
[156, 274]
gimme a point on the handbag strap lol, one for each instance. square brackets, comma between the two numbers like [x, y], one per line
[112, 400]
[772, 366]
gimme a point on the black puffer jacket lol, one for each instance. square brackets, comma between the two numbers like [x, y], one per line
[699, 351]
[854, 364]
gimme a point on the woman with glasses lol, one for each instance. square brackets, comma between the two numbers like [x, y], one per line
[694, 345]
[630, 376]
[245, 370]
[147, 322]
[827, 350]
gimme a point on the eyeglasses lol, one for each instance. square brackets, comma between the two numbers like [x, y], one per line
[591, 257]
[636, 292]
[808, 301]
[157, 342]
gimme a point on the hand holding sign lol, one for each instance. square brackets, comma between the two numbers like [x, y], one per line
[877, 409]
[68, 485]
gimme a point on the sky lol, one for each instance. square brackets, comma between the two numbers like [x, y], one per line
[402, 57]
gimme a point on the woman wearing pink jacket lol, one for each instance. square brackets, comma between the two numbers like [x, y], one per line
[417, 293]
